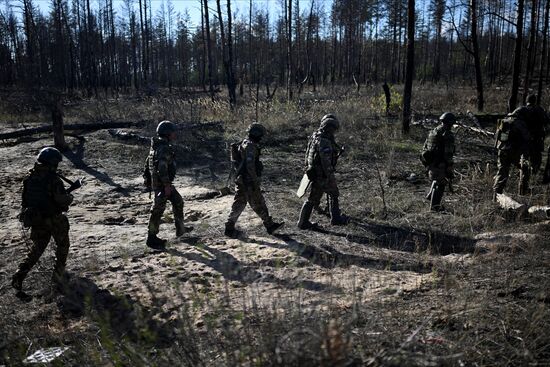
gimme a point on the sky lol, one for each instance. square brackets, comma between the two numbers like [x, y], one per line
[193, 6]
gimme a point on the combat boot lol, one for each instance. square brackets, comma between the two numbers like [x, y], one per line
[230, 230]
[336, 216]
[154, 242]
[305, 214]
[181, 229]
[437, 196]
[272, 226]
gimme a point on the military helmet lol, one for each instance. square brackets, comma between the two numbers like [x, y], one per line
[328, 116]
[165, 128]
[532, 98]
[256, 130]
[49, 156]
[521, 112]
[448, 117]
[330, 120]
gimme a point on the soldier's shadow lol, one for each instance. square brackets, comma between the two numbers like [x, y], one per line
[116, 314]
[328, 256]
[410, 240]
[233, 270]
[75, 154]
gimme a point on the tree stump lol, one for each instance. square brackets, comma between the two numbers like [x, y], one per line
[57, 126]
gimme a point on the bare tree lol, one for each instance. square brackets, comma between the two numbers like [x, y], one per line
[530, 62]
[227, 54]
[544, 50]
[409, 71]
[208, 49]
[512, 102]
[289, 72]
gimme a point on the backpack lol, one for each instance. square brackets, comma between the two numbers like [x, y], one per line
[504, 127]
[429, 150]
[235, 157]
[35, 200]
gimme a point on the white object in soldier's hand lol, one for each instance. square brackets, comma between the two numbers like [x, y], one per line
[304, 185]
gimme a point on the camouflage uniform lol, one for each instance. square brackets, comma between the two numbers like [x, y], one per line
[513, 149]
[321, 159]
[44, 201]
[247, 186]
[162, 165]
[438, 153]
[536, 123]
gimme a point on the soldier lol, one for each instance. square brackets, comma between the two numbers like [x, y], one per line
[536, 124]
[512, 143]
[246, 158]
[320, 160]
[437, 156]
[161, 163]
[44, 200]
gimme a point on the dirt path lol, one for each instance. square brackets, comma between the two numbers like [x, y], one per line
[112, 269]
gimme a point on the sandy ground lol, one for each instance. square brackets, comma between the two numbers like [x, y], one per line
[109, 261]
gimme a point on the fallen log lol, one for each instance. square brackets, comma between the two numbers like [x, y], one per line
[429, 124]
[80, 127]
[485, 119]
[539, 211]
[510, 205]
[107, 125]
[486, 133]
[128, 136]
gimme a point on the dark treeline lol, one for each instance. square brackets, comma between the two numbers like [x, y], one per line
[95, 47]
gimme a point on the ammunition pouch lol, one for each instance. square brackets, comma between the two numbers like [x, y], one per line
[30, 217]
[311, 174]
[426, 157]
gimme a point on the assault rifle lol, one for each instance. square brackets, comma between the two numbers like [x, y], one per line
[73, 185]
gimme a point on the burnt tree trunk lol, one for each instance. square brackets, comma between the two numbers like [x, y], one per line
[544, 49]
[512, 102]
[409, 72]
[208, 49]
[57, 126]
[475, 50]
[530, 49]
[289, 73]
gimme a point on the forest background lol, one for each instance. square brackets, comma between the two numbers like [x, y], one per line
[108, 47]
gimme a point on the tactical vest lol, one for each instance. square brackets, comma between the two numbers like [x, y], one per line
[153, 160]
[512, 134]
[439, 147]
[259, 167]
[504, 127]
[312, 151]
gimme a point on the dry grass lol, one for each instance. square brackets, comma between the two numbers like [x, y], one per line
[479, 309]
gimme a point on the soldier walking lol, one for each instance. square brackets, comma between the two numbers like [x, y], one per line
[44, 200]
[320, 160]
[512, 143]
[437, 157]
[161, 165]
[248, 167]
